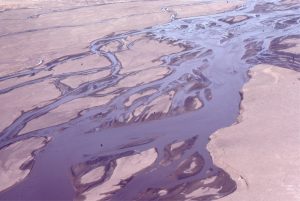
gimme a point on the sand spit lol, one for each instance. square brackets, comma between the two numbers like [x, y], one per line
[125, 169]
[109, 177]
[16, 160]
[65, 112]
[261, 152]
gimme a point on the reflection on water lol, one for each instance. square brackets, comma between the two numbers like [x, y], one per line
[106, 140]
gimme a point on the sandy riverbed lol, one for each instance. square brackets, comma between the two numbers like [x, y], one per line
[130, 91]
[47, 31]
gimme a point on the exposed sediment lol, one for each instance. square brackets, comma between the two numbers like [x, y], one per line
[130, 96]
[261, 152]
[16, 160]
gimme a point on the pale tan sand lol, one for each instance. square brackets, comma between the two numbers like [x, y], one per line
[201, 191]
[290, 1]
[113, 46]
[261, 152]
[19, 80]
[13, 4]
[189, 166]
[236, 19]
[126, 167]
[24, 99]
[14, 156]
[176, 145]
[295, 45]
[56, 42]
[65, 112]
[93, 175]
[77, 80]
[145, 76]
[196, 103]
[144, 54]
[56, 34]
[86, 63]
[161, 104]
[192, 190]
[189, 9]
[136, 96]
[174, 152]
[142, 77]
[239, 18]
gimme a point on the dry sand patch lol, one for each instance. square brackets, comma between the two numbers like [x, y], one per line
[261, 151]
[14, 159]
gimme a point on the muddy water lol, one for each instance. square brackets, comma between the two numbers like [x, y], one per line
[155, 153]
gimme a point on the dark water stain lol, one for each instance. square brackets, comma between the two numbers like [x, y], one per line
[212, 67]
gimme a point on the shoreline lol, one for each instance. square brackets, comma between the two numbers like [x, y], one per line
[260, 154]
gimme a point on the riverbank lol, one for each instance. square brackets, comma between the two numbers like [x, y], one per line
[47, 45]
[261, 151]
[117, 99]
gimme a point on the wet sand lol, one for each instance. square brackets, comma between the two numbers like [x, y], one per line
[130, 97]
